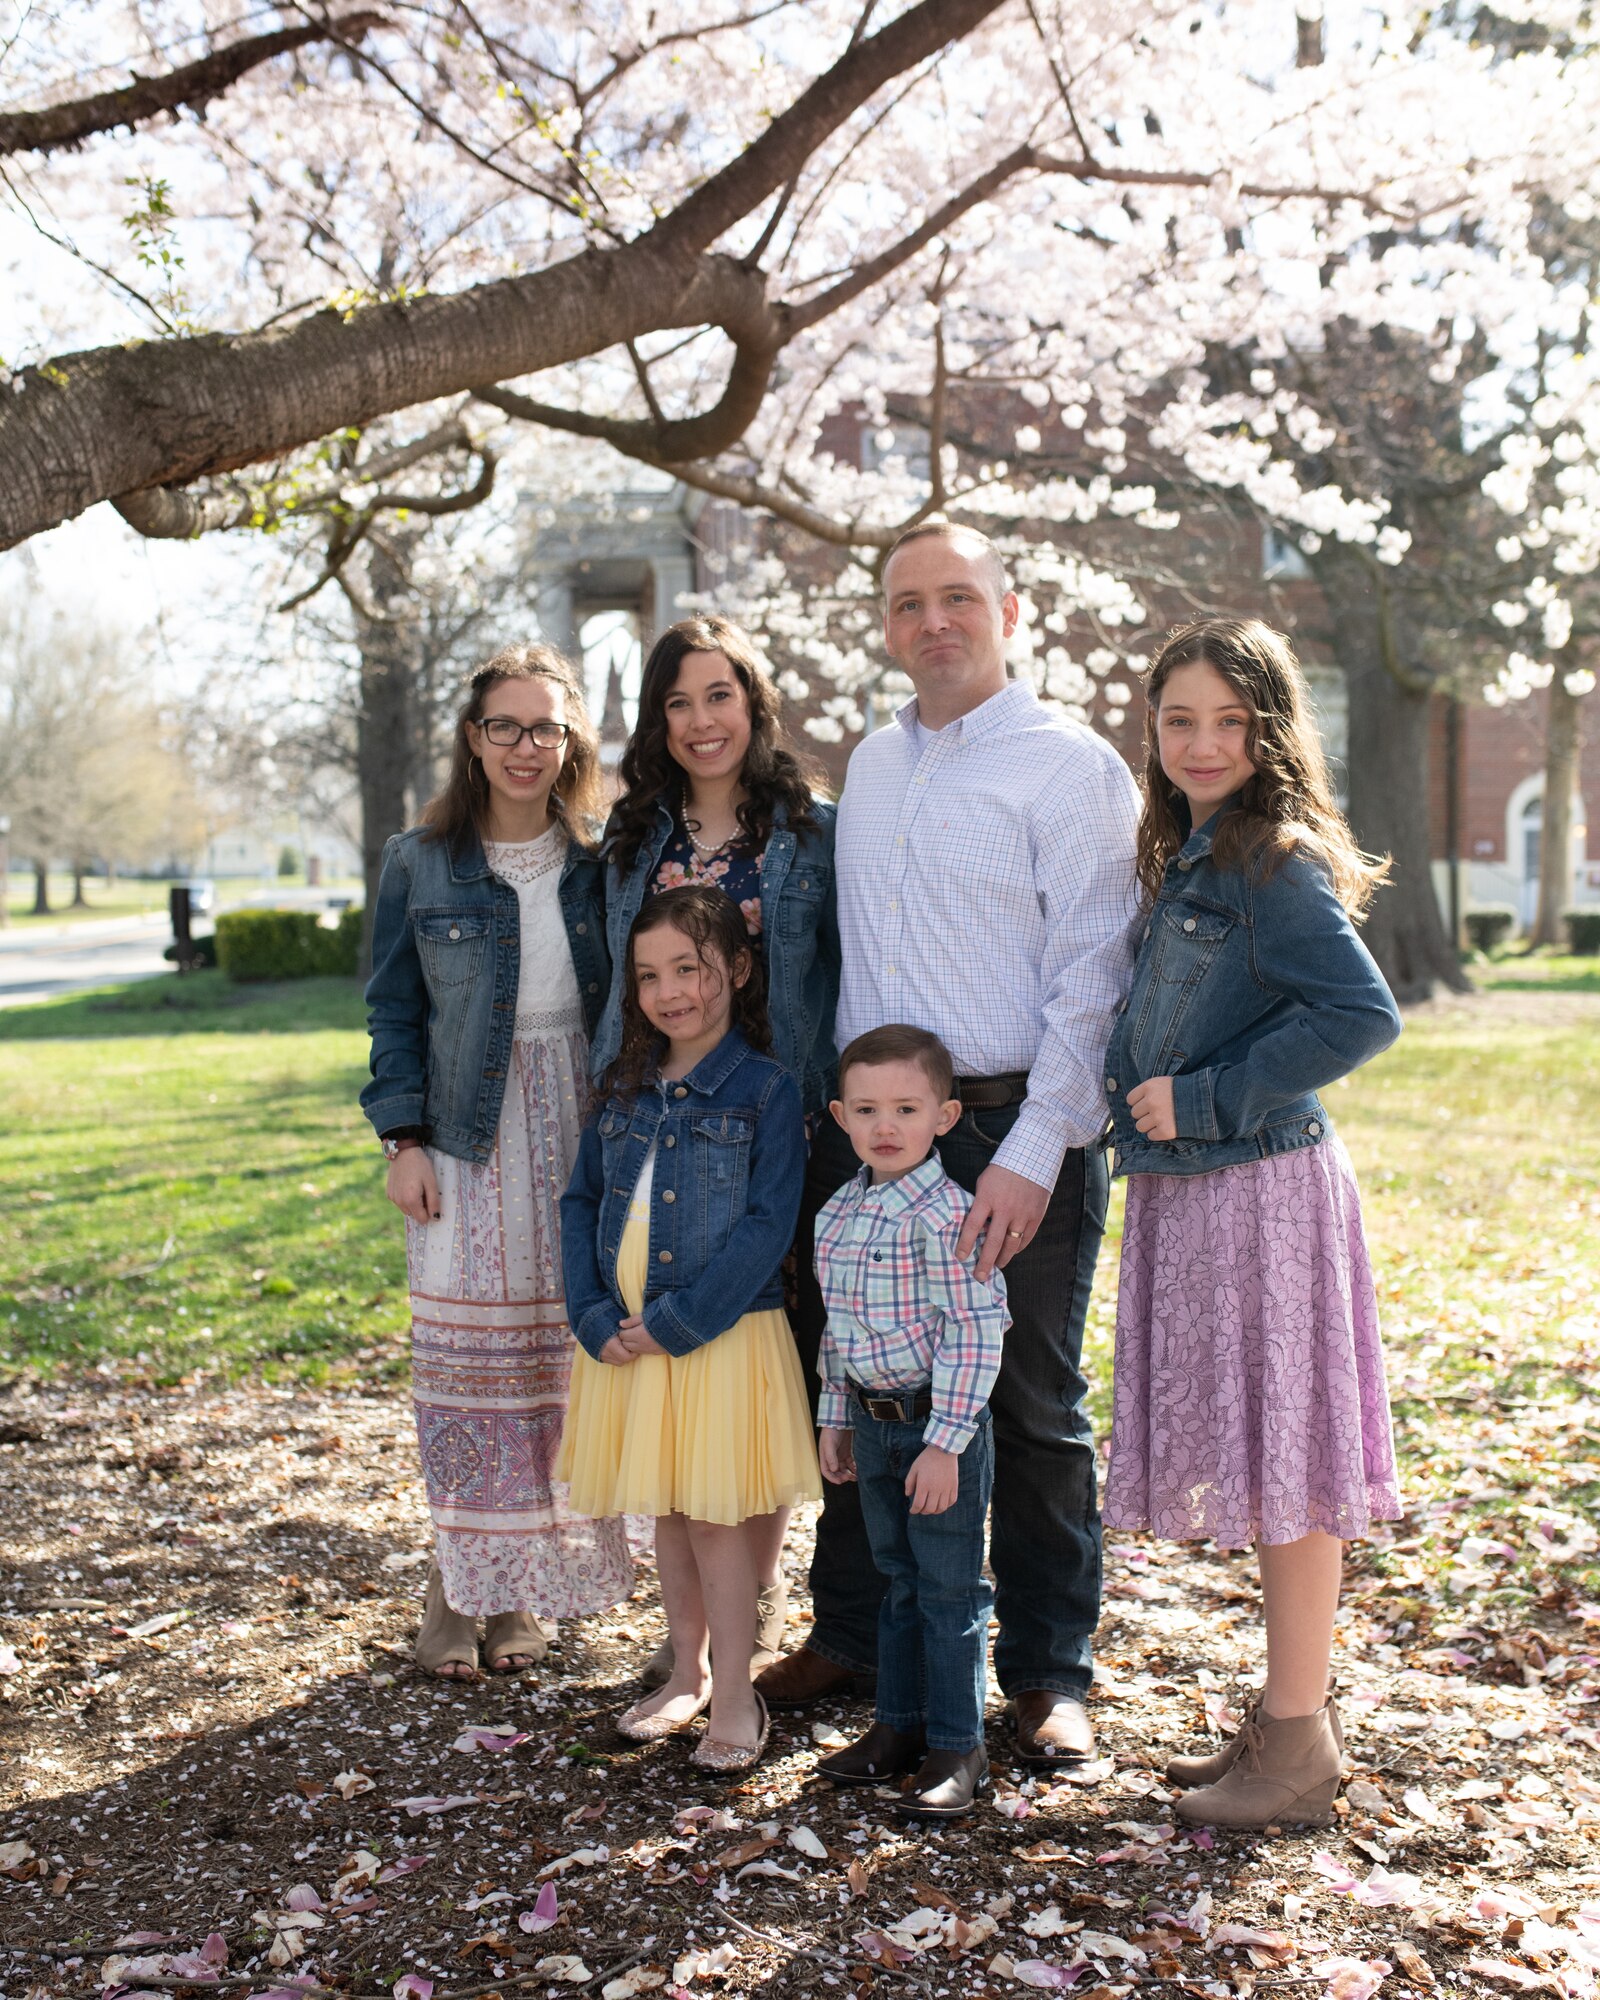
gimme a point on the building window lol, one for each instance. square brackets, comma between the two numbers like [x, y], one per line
[611, 646]
[1330, 704]
[1281, 560]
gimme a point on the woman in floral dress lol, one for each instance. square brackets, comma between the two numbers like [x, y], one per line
[489, 970]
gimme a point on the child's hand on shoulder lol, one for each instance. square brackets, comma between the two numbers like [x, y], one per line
[933, 1481]
[637, 1338]
[1151, 1105]
[836, 1449]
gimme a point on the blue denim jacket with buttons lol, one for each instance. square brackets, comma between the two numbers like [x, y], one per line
[1251, 996]
[724, 1198]
[799, 937]
[442, 999]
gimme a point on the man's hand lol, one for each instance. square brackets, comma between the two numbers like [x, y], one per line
[1006, 1211]
[637, 1338]
[933, 1481]
[615, 1355]
[1151, 1105]
[413, 1186]
[837, 1451]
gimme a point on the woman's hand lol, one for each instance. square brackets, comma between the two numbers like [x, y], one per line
[413, 1186]
[1151, 1105]
[615, 1355]
[637, 1338]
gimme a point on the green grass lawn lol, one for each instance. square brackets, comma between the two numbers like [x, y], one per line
[189, 1183]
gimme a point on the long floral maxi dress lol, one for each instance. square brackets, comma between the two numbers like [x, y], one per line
[490, 1347]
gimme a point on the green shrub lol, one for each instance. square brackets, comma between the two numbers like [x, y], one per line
[288, 861]
[1583, 932]
[1490, 926]
[287, 944]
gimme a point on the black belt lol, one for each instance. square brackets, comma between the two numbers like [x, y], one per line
[910, 1406]
[992, 1093]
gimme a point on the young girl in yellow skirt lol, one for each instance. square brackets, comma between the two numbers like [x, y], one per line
[687, 1400]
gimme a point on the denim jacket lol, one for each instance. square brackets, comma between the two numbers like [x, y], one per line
[799, 935]
[442, 999]
[1251, 996]
[725, 1195]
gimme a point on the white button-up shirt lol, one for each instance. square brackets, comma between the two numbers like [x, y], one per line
[986, 891]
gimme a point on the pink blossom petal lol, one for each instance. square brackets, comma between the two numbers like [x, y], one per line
[412, 1986]
[303, 1897]
[544, 1911]
[406, 1865]
[1043, 1972]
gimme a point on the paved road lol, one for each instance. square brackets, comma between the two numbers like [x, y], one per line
[37, 964]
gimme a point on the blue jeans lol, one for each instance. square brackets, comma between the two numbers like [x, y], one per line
[933, 1627]
[1045, 1543]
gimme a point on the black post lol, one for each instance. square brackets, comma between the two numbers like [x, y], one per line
[182, 939]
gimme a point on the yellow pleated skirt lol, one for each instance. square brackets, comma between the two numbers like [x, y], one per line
[718, 1435]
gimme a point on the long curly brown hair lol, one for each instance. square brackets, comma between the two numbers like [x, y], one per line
[578, 796]
[775, 772]
[713, 924]
[1287, 805]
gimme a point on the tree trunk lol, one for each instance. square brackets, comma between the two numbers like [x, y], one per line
[79, 900]
[383, 728]
[1561, 745]
[1388, 780]
[41, 889]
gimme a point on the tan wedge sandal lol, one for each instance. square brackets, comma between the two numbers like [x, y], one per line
[445, 1638]
[1286, 1774]
[511, 1635]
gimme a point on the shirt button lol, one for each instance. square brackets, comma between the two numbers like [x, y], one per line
[663, 1256]
[669, 1142]
[583, 930]
[1188, 923]
[680, 1091]
[1111, 1083]
[1185, 866]
[1313, 1130]
[668, 1195]
[889, 969]
[455, 931]
[594, 986]
[1147, 933]
[899, 840]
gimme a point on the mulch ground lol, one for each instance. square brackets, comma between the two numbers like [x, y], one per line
[212, 1731]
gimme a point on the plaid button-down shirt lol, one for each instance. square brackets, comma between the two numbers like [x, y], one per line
[986, 891]
[904, 1311]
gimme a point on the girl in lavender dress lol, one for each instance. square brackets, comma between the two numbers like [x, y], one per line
[1249, 1402]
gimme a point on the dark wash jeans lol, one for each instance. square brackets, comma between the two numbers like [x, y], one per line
[1044, 1545]
[933, 1629]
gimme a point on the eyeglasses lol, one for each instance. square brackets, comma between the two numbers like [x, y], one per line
[505, 732]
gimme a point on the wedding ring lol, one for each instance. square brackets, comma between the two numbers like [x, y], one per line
[1013, 1232]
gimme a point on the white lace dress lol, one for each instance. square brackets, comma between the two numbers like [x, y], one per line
[491, 1350]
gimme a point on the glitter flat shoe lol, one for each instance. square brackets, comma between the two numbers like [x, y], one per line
[641, 1728]
[712, 1754]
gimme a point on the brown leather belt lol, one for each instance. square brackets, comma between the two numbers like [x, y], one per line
[904, 1406]
[992, 1093]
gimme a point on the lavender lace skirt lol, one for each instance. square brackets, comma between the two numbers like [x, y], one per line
[1249, 1401]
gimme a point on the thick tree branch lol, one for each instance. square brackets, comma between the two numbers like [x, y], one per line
[116, 420]
[190, 87]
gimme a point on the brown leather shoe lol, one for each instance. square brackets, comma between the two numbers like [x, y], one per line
[1051, 1729]
[883, 1753]
[801, 1679]
[946, 1785]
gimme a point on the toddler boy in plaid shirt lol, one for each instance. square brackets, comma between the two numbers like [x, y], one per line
[911, 1351]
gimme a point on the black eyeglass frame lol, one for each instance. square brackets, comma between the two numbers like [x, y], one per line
[490, 723]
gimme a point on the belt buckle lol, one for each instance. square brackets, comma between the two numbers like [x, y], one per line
[884, 1409]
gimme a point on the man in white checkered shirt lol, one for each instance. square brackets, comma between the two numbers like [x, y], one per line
[986, 891]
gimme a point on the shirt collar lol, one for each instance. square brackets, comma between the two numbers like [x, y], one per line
[712, 1071]
[1197, 847]
[1006, 705]
[895, 1197]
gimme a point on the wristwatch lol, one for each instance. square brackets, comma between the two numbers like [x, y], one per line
[395, 1144]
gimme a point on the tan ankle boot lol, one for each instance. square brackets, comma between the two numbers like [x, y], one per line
[1188, 1774]
[1286, 1773]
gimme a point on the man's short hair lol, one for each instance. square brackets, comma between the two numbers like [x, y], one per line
[899, 1043]
[951, 531]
